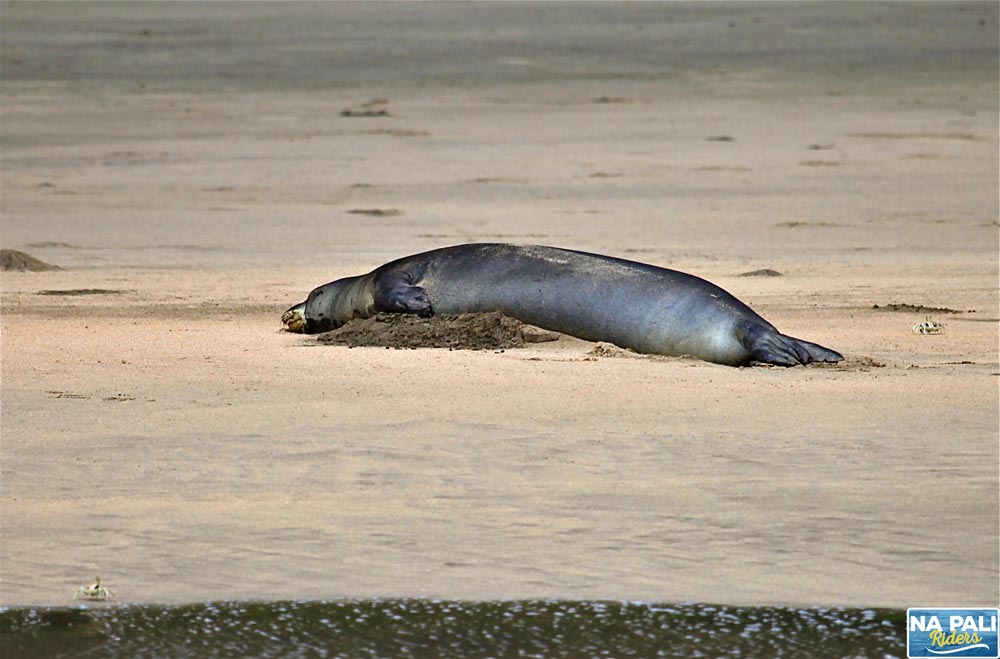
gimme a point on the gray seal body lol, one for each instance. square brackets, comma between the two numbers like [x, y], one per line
[594, 297]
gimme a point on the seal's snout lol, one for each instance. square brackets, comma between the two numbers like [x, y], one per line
[294, 320]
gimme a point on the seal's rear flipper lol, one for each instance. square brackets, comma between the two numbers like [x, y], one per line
[768, 346]
[394, 292]
[818, 353]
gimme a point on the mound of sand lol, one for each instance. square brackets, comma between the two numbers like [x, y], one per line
[470, 331]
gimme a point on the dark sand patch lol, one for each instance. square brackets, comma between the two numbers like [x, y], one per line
[806, 225]
[374, 108]
[764, 272]
[376, 212]
[13, 260]
[914, 308]
[114, 398]
[820, 163]
[497, 179]
[485, 331]
[858, 363]
[724, 168]
[73, 292]
[53, 243]
[921, 156]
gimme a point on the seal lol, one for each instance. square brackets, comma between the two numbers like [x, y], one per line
[594, 297]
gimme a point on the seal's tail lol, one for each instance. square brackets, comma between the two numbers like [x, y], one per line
[768, 346]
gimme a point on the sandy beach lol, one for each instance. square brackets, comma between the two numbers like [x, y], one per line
[192, 170]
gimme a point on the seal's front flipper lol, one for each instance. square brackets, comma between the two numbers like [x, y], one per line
[768, 346]
[395, 292]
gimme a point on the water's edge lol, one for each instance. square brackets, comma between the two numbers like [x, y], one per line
[437, 628]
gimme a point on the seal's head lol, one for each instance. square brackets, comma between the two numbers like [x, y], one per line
[329, 306]
[294, 320]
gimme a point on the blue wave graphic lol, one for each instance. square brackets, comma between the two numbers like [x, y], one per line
[962, 649]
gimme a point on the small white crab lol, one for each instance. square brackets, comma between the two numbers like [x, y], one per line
[95, 592]
[928, 327]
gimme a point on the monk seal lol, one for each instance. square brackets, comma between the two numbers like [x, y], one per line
[594, 297]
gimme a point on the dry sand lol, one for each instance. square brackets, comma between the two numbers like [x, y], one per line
[190, 168]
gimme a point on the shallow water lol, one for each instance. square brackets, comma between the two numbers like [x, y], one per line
[338, 45]
[436, 628]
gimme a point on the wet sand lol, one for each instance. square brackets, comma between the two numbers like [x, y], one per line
[192, 172]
